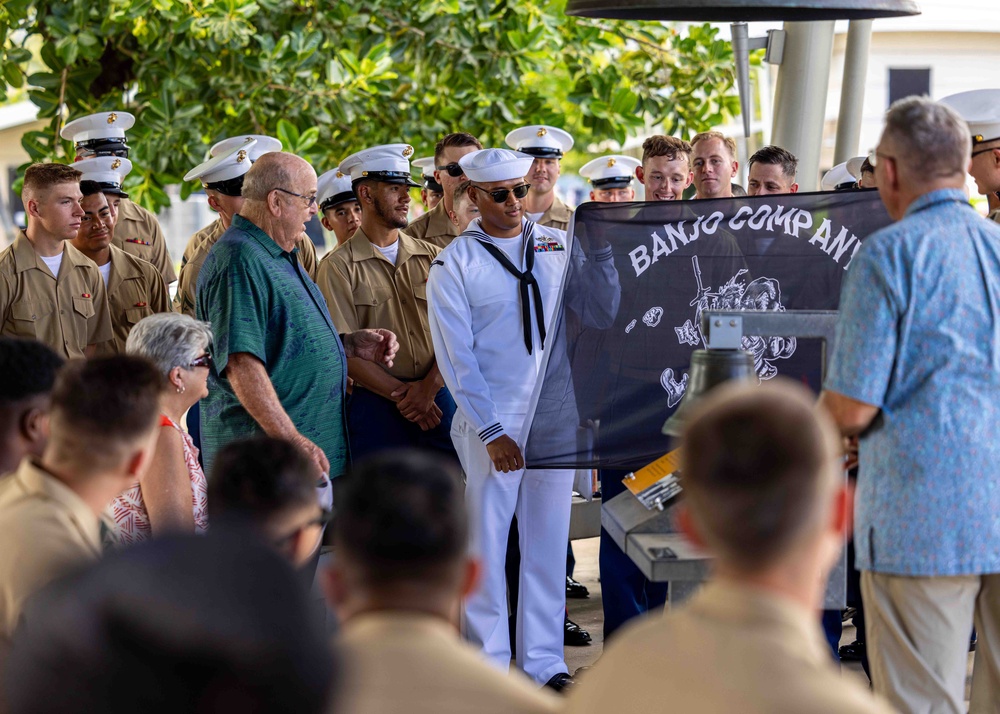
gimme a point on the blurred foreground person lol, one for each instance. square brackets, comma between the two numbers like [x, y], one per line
[180, 624]
[269, 485]
[102, 427]
[763, 492]
[915, 378]
[399, 575]
[171, 496]
[27, 372]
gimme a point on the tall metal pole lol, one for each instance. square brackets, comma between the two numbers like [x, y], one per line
[852, 93]
[800, 95]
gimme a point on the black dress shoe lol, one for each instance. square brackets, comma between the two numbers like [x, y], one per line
[576, 590]
[853, 652]
[560, 682]
[575, 635]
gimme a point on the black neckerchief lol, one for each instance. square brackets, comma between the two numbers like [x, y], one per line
[525, 280]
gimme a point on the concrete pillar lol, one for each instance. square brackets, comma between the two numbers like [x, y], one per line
[852, 94]
[800, 95]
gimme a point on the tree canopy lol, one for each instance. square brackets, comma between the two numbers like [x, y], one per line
[331, 78]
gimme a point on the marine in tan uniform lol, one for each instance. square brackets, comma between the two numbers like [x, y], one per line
[431, 192]
[435, 226]
[749, 640]
[378, 279]
[221, 176]
[50, 291]
[52, 509]
[400, 643]
[135, 287]
[547, 144]
[100, 140]
[981, 110]
[338, 206]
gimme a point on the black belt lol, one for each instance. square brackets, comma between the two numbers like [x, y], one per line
[525, 280]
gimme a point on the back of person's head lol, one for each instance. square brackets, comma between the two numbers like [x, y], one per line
[103, 410]
[28, 371]
[274, 170]
[457, 139]
[213, 623]
[928, 140]
[776, 156]
[169, 340]
[669, 146]
[729, 142]
[39, 178]
[401, 519]
[269, 485]
[759, 470]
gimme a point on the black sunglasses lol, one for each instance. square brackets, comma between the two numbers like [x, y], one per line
[454, 170]
[204, 360]
[500, 195]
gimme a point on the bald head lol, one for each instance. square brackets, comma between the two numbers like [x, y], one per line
[275, 170]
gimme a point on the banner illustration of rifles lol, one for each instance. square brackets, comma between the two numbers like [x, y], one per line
[674, 259]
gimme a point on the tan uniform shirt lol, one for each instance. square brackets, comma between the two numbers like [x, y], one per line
[197, 250]
[138, 233]
[364, 290]
[413, 663]
[67, 312]
[434, 226]
[135, 291]
[558, 215]
[46, 531]
[730, 649]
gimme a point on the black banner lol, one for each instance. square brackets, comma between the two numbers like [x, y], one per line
[618, 384]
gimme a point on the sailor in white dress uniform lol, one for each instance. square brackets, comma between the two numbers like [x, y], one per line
[492, 293]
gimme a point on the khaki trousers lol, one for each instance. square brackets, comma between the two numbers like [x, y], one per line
[918, 632]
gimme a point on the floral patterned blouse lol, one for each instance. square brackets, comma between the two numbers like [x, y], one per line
[129, 510]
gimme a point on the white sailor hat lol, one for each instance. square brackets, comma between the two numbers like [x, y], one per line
[262, 145]
[854, 165]
[224, 172]
[426, 166]
[839, 178]
[101, 134]
[613, 171]
[488, 165]
[389, 163]
[333, 189]
[108, 172]
[542, 141]
[981, 110]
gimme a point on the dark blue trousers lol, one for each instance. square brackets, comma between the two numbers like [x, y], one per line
[625, 591]
[374, 424]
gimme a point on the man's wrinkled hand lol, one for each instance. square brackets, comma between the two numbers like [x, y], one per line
[505, 454]
[313, 452]
[379, 346]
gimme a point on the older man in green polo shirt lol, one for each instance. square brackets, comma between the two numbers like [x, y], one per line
[279, 366]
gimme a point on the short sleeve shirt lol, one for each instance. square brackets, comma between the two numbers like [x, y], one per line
[138, 233]
[919, 337]
[135, 291]
[365, 291]
[434, 227]
[68, 312]
[259, 300]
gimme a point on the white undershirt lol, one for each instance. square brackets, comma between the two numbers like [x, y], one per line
[105, 272]
[534, 217]
[512, 247]
[53, 263]
[390, 252]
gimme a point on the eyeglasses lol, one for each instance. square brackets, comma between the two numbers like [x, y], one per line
[874, 156]
[204, 360]
[500, 195]
[310, 199]
[454, 170]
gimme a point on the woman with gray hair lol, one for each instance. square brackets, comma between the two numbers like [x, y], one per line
[171, 497]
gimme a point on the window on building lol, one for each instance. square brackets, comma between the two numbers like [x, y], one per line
[908, 83]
